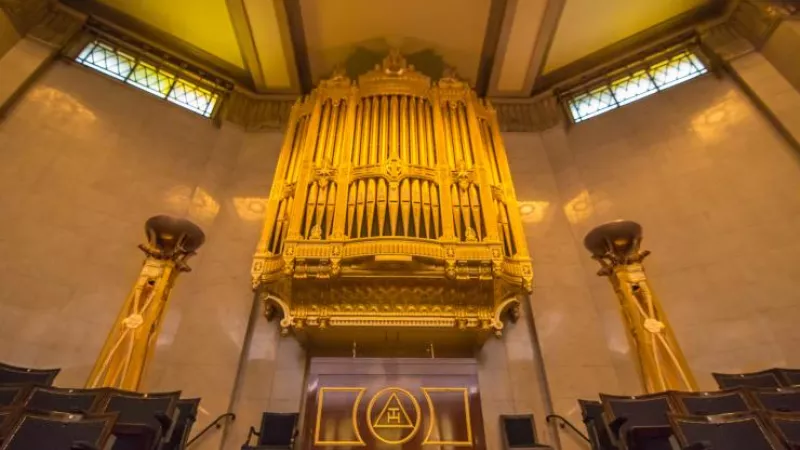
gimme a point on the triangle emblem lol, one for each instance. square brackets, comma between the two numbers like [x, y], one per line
[393, 415]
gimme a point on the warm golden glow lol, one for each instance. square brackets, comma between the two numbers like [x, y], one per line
[205, 24]
[250, 208]
[392, 203]
[533, 211]
[453, 29]
[587, 26]
[65, 105]
[203, 207]
[579, 208]
[712, 125]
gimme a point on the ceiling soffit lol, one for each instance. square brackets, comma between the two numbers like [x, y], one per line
[203, 23]
[587, 26]
[453, 29]
[527, 26]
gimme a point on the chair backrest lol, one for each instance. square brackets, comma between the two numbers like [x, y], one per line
[781, 399]
[58, 431]
[786, 426]
[187, 414]
[64, 400]
[592, 412]
[518, 430]
[640, 411]
[789, 377]
[137, 408]
[738, 431]
[12, 374]
[763, 379]
[12, 395]
[277, 429]
[711, 403]
[8, 417]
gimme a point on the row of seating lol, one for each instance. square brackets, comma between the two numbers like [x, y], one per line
[752, 411]
[34, 414]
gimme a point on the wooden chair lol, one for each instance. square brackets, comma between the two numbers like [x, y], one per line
[83, 401]
[592, 413]
[789, 377]
[21, 375]
[737, 431]
[187, 414]
[11, 395]
[35, 431]
[278, 431]
[764, 379]
[638, 422]
[711, 403]
[779, 399]
[786, 426]
[144, 419]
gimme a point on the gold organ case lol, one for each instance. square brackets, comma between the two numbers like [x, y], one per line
[392, 208]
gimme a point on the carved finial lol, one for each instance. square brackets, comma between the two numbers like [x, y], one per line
[339, 72]
[394, 63]
[449, 72]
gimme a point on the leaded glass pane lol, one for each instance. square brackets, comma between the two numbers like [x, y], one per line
[633, 87]
[592, 103]
[676, 70]
[105, 59]
[151, 79]
[193, 97]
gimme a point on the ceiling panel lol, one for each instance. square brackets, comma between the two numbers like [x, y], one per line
[518, 49]
[203, 23]
[587, 26]
[265, 18]
[454, 29]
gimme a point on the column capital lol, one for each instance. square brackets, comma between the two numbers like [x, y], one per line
[616, 244]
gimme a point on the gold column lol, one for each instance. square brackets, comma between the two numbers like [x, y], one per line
[662, 365]
[132, 340]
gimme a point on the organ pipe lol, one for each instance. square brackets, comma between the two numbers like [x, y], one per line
[391, 167]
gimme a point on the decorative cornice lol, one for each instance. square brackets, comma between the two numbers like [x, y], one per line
[534, 114]
[724, 42]
[757, 20]
[746, 28]
[24, 14]
[58, 25]
[257, 113]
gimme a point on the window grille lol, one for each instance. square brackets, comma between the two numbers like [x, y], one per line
[631, 87]
[148, 77]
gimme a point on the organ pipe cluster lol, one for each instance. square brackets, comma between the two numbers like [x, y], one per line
[387, 186]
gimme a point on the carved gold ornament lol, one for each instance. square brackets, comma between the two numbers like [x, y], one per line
[384, 214]
[662, 366]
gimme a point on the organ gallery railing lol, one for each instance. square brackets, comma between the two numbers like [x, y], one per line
[392, 206]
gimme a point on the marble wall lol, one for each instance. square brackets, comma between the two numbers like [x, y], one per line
[85, 162]
[715, 187]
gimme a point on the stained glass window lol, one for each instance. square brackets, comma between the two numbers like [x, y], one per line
[634, 86]
[149, 77]
[192, 96]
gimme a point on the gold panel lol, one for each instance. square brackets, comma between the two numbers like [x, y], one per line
[392, 207]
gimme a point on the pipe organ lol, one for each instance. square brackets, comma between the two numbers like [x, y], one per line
[392, 207]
